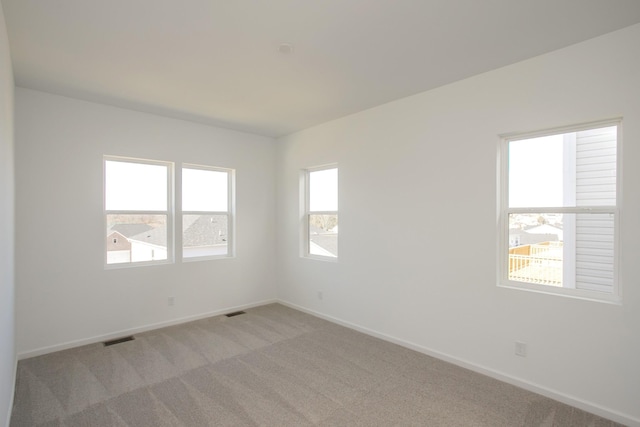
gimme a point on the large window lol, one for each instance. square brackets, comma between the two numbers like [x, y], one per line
[206, 212]
[560, 210]
[138, 211]
[321, 213]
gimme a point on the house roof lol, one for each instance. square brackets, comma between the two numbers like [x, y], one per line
[154, 236]
[112, 233]
[227, 63]
[327, 241]
[129, 230]
[199, 230]
[205, 230]
[545, 229]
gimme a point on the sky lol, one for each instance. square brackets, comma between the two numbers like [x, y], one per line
[536, 172]
[323, 190]
[535, 180]
[143, 187]
[204, 190]
[135, 186]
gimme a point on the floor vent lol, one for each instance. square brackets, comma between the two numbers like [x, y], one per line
[117, 341]
[235, 313]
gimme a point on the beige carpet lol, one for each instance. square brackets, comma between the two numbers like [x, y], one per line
[272, 366]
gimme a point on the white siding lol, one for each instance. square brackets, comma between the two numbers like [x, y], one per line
[596, 167]
[595, 186]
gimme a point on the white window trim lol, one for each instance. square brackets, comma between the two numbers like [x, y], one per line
[306, 212]
[169, 212]
[230, 213]
[615, 297]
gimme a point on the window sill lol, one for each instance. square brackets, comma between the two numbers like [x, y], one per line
[118, 266]
[586, 295]
[320, 258]
[208, 258]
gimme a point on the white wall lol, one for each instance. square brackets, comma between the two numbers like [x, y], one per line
[64, 295]
[7, 324]
[418, 216]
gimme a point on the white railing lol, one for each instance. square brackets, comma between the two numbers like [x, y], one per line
[543, 265]
[546, 248]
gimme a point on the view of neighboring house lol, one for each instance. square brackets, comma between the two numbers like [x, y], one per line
[522, 232]
[204, 235]
[119, 242]
[323, 242]
[135, 243]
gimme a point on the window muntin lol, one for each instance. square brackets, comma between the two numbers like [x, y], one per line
[559, 211]
[206, 215]
[321, 216]
[138, 216]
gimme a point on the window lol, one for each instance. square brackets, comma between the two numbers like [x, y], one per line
[559, 211]
[321, 213]
[206, 215]
[137, 203]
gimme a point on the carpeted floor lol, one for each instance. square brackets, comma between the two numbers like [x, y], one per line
[272, 366]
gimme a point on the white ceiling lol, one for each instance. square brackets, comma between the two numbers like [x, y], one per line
[217, 61]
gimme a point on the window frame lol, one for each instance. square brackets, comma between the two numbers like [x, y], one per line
[504, 211]
[169, 212]
[230, 213]
[307, 212]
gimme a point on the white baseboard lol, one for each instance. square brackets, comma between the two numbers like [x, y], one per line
[518, 382]
[137, 330]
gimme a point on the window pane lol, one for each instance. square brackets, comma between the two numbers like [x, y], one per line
[536, 248]
[323, 235]
[536, 172]
[205, 235]
[570, 250]
[136, 238]
[204, 190]
[135, 186]
[323, 190]
[568, 170]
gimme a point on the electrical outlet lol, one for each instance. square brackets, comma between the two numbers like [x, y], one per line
[171, 301]
[320, 296]
[521, 349]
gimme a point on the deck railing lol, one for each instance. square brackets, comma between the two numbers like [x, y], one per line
[538, 263]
